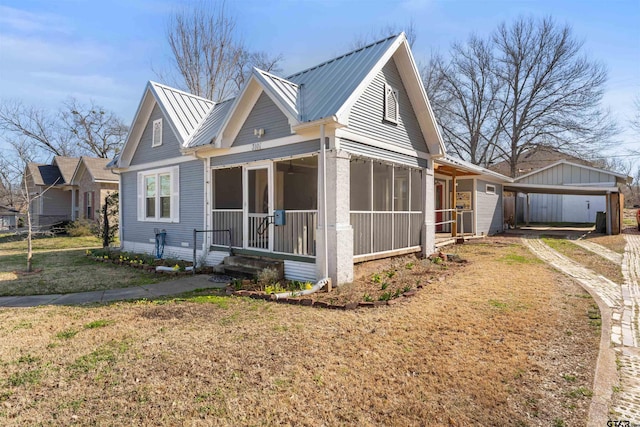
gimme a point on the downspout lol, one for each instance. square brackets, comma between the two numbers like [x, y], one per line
[324, 202]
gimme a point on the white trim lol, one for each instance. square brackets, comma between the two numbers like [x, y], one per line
[390, 90]
[287, 140]
[104, 181]
[346, 134]
[174, 194]
[385, 254]
[159, 164]
[560, 189]
[156, 142]
[273, 159]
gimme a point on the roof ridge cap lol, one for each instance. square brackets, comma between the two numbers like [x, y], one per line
[344, 55]
[153, 83]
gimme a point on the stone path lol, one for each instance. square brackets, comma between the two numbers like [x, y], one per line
[624, 301]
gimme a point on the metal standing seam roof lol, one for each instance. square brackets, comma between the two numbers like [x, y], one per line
[327, 86]
[287, 91]
[211, 125]
[185, 111]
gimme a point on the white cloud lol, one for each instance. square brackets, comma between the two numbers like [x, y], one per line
[28, 22]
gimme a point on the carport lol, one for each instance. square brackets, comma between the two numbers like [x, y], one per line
[614, 199]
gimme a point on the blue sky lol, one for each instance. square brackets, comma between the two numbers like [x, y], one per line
[107, 50]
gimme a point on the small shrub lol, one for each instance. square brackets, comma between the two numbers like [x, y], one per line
[274, 289]
[79, 228]
[268, 276]
[409, 266]
[384, 286]
[376, 278]
[367, 298]
[385, 296]
[391, 273]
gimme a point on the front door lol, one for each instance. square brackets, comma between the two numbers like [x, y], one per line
[258, 206]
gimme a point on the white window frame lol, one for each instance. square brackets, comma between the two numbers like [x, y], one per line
[174, 181]
[389, 90]
[490, 189]
[156, 141]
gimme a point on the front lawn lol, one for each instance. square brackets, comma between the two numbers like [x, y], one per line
[60, 269]
[505, 340]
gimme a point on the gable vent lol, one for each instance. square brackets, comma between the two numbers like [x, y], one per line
[390, 104]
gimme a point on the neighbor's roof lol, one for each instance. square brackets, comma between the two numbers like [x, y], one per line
[534, 159]
[620, 178]
[45, 174]
[186, 111]
[97, 167]
[67, 166]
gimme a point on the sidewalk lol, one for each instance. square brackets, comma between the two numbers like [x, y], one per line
[620, 327]
[172, 287]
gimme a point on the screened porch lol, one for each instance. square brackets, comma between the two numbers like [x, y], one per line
[245, 197]
[386, 207]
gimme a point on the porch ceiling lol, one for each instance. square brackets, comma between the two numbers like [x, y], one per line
[452, 171]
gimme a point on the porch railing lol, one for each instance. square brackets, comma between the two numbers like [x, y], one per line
[258, 231]
[375, 231]
[447, 218]
[227, 219]
[298, 235]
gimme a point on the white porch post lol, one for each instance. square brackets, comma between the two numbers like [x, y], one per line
[428, 205]
[339, 230]
[73, 204]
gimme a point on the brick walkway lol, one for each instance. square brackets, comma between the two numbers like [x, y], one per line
[624, 301]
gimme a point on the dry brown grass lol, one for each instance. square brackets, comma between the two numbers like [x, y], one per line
[615, 243]
[502, 341]
[593, 261]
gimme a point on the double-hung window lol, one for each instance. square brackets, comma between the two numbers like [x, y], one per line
[158, 195]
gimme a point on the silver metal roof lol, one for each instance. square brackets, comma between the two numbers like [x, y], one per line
[327, 86]
[285, 90]
[186, 111]
[211, 125]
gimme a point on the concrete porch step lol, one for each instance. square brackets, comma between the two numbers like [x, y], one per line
[246, 266]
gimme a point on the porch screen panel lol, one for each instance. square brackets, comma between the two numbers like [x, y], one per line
[361, 223]
[382, 231]
[401, 230]
[401, 190]
[360, 183]
[227, 206]
[416, 190]
[382, 187]
[415, 236]
[296, 191]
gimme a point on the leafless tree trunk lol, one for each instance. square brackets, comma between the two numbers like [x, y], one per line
[208, 53]
[552, 93]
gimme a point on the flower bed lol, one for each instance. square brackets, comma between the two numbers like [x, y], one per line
[141, 261]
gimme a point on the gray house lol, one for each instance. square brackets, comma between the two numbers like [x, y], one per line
[346, 149]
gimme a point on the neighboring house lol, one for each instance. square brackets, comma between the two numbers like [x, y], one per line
[92, 182]
[8, 217]
[534, 159]
[69, 188]
[346, 148]
[565, 191]
[49, 190]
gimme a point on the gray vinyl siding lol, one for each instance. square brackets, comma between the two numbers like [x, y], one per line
[367, 114]
[191, 209]
[268, 153]
[381, 154]
[544, 207]
[264, 115]
[56, 202]
[489, 212]
[564, 174]
[170, 147]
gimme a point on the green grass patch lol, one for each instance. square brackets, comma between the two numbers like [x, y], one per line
[513, 258]
[43, 243]
[105, 354]
[31, 376]
[66, 335]
[580, 392]
[98, 324]
[497, 304]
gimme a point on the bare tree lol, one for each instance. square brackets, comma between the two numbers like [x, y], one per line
[95, 130]
[552, 93]
[73, 130]
[635, 121]
[38, 125]
[465, 96]
[374, 35]
[207, 51]
[261, 60]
